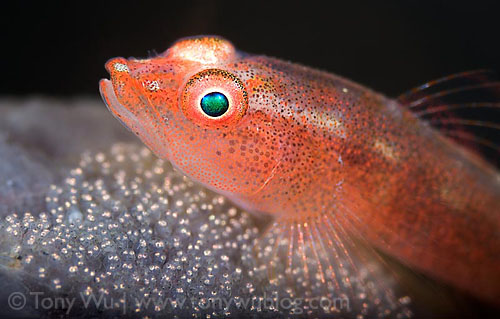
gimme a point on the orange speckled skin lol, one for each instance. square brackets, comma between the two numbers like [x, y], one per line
[299, 143]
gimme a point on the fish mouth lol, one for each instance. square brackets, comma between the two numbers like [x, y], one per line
[121, 96]
[111, 101]
[133, 121]
[126, 102]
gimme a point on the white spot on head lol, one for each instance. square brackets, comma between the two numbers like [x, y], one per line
[120, 67]
[152, 85]
[345, 90]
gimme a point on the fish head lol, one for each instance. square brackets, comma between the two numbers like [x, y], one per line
[205, 107]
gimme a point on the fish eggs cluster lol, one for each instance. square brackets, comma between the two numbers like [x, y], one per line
[125, 234]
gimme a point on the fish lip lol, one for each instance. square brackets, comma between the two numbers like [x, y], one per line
[112, 103]
[130, 120]
[117, 67]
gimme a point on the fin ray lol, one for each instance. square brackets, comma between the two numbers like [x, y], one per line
[317, 258]
[465, 107]
[452, 107]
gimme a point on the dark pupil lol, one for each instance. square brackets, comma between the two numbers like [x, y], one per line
[214, 104]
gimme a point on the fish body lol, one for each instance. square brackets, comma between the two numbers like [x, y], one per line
[307, 146]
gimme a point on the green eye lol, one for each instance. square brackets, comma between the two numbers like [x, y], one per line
[214, 104]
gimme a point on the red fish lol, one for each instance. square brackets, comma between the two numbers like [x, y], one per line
[324, 156]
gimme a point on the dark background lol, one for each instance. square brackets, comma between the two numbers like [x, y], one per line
[59, 48]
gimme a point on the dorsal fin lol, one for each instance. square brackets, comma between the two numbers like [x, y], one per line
[463, 106]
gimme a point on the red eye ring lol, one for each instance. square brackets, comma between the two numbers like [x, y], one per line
[214, 80]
